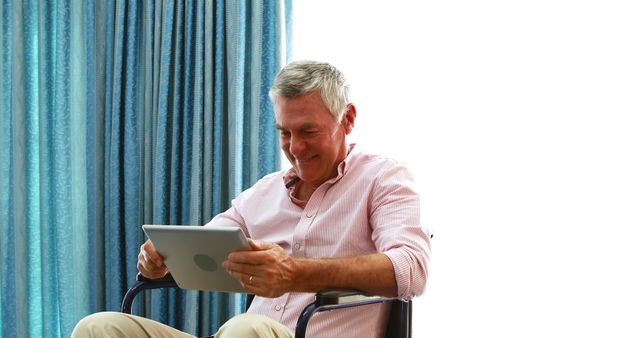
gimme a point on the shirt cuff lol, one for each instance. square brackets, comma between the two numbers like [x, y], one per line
[410, 273]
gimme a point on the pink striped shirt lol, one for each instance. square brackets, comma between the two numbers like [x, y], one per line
[370, 206]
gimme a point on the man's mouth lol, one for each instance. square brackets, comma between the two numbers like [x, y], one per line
[305, 160]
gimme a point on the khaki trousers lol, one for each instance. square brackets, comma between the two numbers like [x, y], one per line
[117, 324]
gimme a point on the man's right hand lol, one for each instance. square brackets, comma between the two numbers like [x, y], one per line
[150, 263]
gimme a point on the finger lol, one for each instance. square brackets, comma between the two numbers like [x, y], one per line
[255, 258]
[254, 245]
[252, 283]
[156, 274]
[260, 245]
[153, 272]
[240, 268]
[243, 278]
[260, 288]
[148, 265]
[144, 265]
[252, 287]
[151, 254]
[153, 263]
[257, 255]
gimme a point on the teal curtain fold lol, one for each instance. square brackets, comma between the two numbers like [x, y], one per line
[118, 113]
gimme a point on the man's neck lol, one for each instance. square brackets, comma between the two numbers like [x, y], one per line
[304, 191]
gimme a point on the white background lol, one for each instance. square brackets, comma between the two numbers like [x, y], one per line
[520, 121]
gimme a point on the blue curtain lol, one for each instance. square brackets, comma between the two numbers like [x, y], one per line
[118, 113]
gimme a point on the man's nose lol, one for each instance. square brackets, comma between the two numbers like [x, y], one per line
[296, 145]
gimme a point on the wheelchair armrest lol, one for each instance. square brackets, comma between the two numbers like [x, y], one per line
[156, 282]
[332, 300]
[346, 298]
[144, 283]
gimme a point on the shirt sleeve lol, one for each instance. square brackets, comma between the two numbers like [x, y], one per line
[397, 229]
[231, 217]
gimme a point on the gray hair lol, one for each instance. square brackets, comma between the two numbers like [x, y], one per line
[304, 77]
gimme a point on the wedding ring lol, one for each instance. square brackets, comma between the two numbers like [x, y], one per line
[250, 279]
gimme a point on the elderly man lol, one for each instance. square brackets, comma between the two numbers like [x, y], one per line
[338, 219]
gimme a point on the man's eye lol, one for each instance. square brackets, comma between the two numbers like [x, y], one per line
[285, 134]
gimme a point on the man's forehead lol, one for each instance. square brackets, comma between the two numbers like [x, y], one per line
[302, 125]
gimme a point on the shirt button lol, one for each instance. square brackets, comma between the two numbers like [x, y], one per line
[278, 307]
[309, 215]
[297, 246]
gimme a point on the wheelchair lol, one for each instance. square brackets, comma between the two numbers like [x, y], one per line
[398, 323]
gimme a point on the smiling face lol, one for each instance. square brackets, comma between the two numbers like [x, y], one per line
[311, 138]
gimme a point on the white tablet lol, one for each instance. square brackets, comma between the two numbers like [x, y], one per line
[194, 254]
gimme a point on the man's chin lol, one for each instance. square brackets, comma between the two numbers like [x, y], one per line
[306, 169]
[306, 176]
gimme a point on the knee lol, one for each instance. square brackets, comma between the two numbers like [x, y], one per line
[251, 325]
[102, 324]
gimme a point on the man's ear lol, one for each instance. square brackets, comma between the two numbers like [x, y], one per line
[349, 118]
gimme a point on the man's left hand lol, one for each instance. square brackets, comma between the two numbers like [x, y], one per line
[265, 270]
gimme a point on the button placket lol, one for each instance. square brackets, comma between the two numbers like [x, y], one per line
[308, 215]
[279, 305]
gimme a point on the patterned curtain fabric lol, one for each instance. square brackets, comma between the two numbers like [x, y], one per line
[115, 114]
